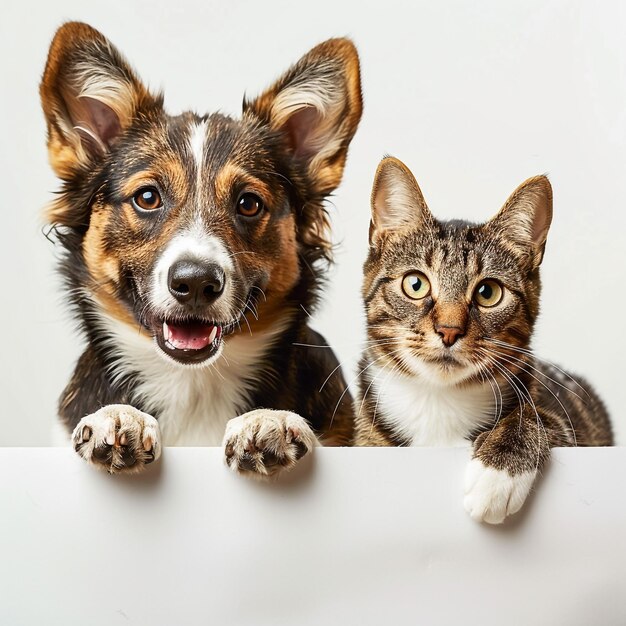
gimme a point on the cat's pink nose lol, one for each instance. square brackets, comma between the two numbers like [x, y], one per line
[449, 334]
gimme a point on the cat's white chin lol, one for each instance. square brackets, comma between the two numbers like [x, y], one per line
[445, 374]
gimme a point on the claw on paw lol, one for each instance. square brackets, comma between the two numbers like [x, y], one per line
[118, 438]
[265, 442]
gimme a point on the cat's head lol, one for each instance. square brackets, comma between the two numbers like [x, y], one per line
[440, 297]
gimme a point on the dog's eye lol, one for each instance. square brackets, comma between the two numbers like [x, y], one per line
[147, 199]
[249, 205]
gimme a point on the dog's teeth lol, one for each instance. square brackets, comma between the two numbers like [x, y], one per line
[212, 335]
[166, 332]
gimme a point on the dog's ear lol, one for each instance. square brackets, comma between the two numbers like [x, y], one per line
[89, 96]
[317, 105]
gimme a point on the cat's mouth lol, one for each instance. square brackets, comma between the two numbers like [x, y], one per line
[448, 365]
[445, 359]
[448, 358]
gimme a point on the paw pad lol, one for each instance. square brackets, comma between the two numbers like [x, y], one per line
[118, 438]
[265, 442]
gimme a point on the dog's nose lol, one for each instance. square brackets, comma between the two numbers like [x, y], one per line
[449, 334]
[195, 282]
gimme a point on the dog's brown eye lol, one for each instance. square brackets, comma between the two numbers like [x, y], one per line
[147, 199]
[249, 205]
[488, 293]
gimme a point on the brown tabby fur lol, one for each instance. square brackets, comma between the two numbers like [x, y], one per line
[533, 405]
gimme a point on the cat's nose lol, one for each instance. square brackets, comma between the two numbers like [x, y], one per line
[449, 334]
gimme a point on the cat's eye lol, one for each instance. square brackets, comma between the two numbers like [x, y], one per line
[249, 205]
[147, 199]
[488, 293]
[416, 285]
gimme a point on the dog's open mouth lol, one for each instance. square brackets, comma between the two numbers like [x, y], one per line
[190, 341]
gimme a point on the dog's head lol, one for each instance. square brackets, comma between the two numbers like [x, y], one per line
[180, 225]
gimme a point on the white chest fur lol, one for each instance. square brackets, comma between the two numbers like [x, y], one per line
[427, 414]
[193, 404]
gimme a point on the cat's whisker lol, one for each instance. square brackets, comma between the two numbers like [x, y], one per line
[517, 393]
[529, 352]
[380, 392]
[505, 373]
[369, 387]
[337, 368]
[539, 421]
[359, 345]
[505, 357]
[374, 379]
[354, 378]
[388, 326]
[490, 378]
[556, 382]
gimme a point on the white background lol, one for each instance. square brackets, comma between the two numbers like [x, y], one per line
[474, 97]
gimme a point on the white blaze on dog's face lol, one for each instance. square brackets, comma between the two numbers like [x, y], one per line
[193, 273]
[189, 228]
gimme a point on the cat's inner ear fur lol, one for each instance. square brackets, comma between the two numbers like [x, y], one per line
[526, 216]
[317, 105]
[89, 95]
[397, 200]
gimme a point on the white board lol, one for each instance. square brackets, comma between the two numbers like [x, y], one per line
[359, 536]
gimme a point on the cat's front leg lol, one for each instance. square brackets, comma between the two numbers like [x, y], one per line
[504, 466]
[118, 438]
[264, 442]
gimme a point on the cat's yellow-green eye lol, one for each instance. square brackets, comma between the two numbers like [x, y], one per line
[416, 285]
[488, 293]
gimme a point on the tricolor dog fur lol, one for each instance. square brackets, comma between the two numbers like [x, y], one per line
[194, 250]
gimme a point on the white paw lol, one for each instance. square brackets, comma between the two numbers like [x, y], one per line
[118, 438]
[492, 494]
[264, 442]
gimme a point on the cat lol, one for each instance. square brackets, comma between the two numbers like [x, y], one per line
[450, 310]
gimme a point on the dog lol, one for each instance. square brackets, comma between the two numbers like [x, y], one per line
[194, 248]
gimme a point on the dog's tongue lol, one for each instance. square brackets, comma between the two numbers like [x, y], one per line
[191, 336]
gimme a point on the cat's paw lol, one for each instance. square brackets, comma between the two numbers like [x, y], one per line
[264, 442]
[118, 438]
[491, 494]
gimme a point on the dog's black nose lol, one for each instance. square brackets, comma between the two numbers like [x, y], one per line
[195, 282]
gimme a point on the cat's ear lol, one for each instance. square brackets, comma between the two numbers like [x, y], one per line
[397, 200]
[526, 216]
[89, 95]
[317, 106]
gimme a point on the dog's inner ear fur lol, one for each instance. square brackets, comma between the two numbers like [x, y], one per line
[89, 95]
[317, 105]
[95, 122]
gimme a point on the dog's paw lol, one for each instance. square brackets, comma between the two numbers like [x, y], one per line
[491, 494]
[118, 438]
[264, 442]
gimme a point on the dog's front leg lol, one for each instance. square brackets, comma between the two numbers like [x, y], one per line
[264, 442]
[118, 438]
